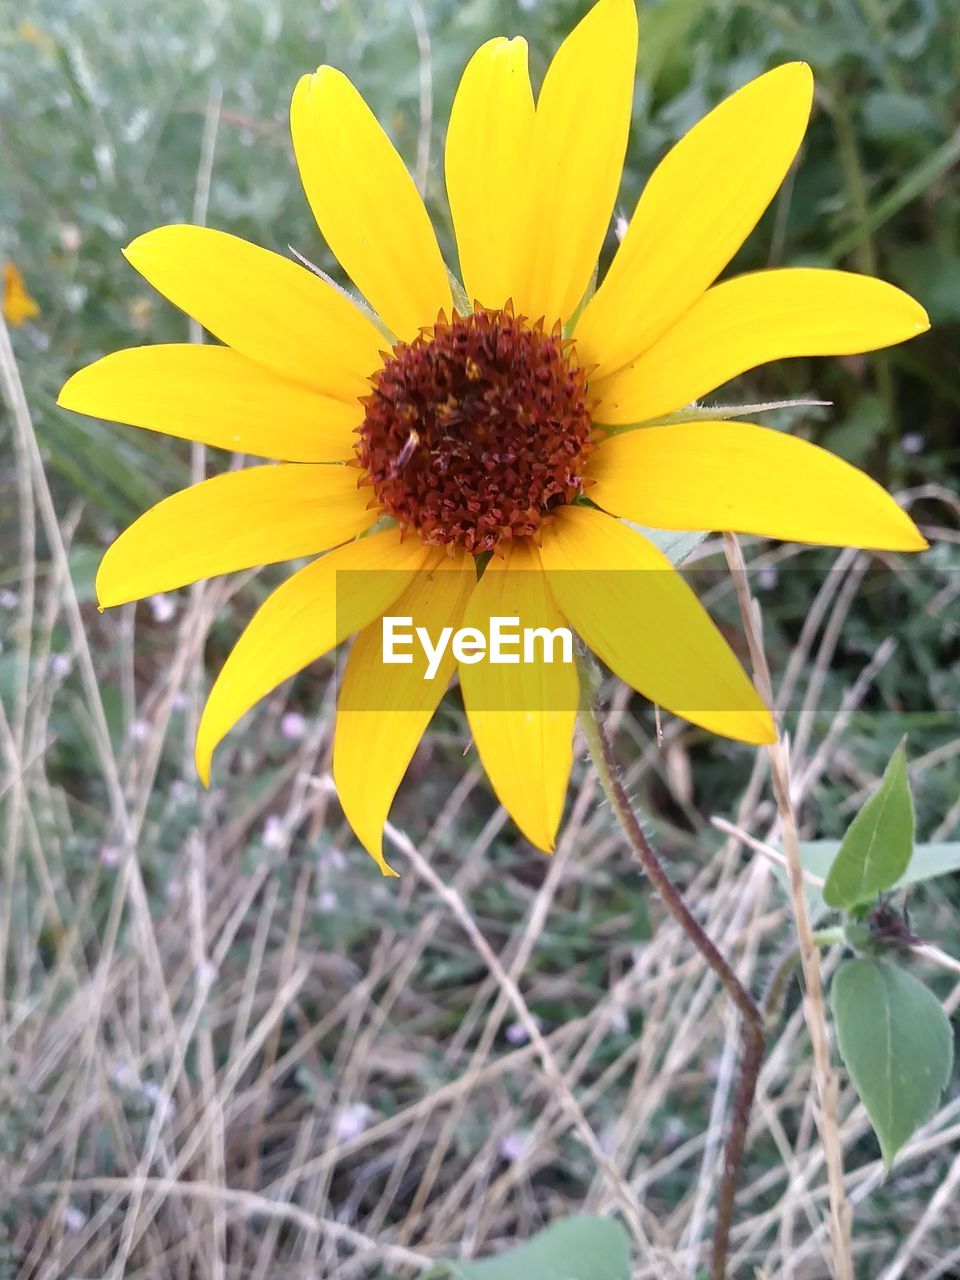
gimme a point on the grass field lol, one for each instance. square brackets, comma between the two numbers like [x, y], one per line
[228, 1047]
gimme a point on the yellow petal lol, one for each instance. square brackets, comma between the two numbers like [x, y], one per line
[522, 715]
[635, 612]
[267, 307]
[579, 141]
[310, 614]
[487, 161]
[235, 521]
[703, 200]
[19, 305]
[745, 479]
[749, 320]
[366, 204]
[218, 398]
[384, 708]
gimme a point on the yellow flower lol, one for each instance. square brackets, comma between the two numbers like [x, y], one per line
[480, 429]
[19, 305]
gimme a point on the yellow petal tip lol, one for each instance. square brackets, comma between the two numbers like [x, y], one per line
[796, 77]
[203, 751]
[107, 597]
[754, 726]
[912, 317]
[800, 69]
[768, 731]
[915, 318]
[137, 252]
[375, 849]
[900, 534]
[542, 840]
[71, 394]
[139, 247]
[326, 73]
[914, 541]
[131, 250]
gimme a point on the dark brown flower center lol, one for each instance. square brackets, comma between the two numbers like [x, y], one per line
[476, 430]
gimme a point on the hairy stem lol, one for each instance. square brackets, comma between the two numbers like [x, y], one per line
[608, 772]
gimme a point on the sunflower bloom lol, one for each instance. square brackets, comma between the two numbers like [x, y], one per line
[456, 462]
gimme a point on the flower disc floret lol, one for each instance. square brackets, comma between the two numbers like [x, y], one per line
[477, 429]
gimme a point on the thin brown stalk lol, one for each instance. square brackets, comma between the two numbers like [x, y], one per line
[813, 1005]
[608, 772]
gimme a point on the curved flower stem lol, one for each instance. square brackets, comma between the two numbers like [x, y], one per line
[608, 772]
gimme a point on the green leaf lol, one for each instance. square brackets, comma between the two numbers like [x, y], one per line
[576, 1248]
[928, 862]
[675, 544]
[896, 1043]
[932, 860]
[876, 850]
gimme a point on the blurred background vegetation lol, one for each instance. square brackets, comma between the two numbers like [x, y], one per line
[120, 115]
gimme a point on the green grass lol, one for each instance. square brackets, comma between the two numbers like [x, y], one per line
[315, 1069]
